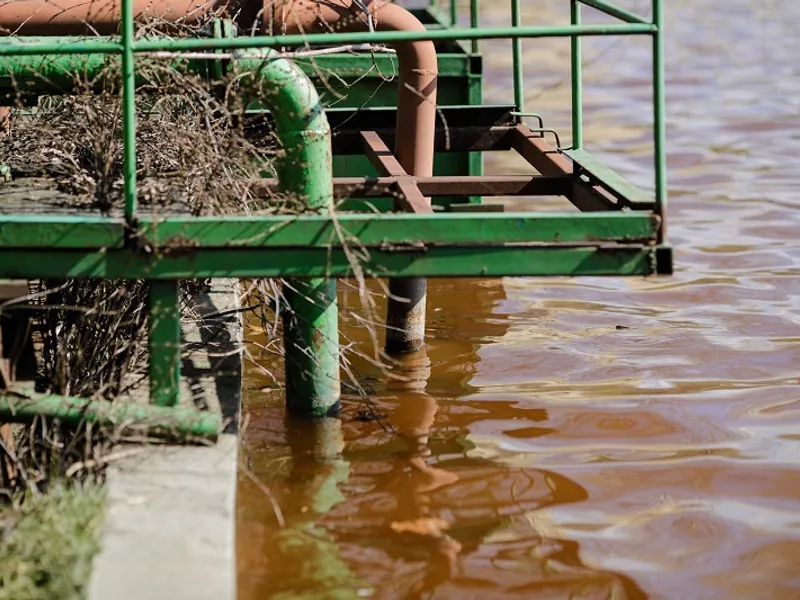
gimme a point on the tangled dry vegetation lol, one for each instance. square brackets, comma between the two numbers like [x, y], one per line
[194, 155]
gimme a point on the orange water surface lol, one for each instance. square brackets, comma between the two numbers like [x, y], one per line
[579, 438]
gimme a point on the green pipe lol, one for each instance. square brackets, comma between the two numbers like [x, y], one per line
[23, 78]
[55, 74]
[516, 51]
[454, 12]
[615, 11]
[128, 113]
[104, 45]
[156, 420]
[310, 321]
[164, 342]
[577, 79]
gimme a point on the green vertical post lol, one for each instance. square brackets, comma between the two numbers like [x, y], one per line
[516, 51]
[128, 112]
[164, 342]
[577, 78]
[659, 116]
[454, 12]
[474, 22]
[310, 318]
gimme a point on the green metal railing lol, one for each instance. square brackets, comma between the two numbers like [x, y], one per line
[92, 247]
[633, 24]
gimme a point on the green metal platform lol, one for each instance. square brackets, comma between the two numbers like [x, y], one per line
[613, 229]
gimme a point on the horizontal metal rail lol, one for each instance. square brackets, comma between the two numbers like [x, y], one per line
[615, 11]
[106, 45]
[401, 260]
[448, 229]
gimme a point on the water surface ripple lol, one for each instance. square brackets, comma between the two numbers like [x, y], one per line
[587, 438]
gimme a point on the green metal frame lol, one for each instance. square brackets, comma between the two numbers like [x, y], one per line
[306, 249]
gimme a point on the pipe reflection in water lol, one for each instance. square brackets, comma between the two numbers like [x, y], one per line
[308, 480]
[412, 416]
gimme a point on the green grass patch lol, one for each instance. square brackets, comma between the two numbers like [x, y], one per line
[47, 543]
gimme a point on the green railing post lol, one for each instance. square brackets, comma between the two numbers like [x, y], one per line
[516, 51]
[164, 342]
[128, 111]
[311, 320]
[659, 116]
[474, 22]
[454, 12]
[577, 78]
[164, 318]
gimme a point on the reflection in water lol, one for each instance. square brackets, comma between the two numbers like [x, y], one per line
[399, 508]
[592, 438]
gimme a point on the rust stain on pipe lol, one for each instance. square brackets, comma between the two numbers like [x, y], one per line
[75, 17]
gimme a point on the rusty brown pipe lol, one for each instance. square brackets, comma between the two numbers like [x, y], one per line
[76, 17]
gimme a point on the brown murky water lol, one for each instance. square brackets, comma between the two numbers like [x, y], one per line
[592, 438]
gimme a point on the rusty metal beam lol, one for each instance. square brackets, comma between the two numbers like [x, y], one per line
[458, 128]
[550, 162]
[408, 195]
[443, 185]
[446, 139]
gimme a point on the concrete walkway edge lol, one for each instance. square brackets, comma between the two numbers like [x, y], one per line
[170, 521]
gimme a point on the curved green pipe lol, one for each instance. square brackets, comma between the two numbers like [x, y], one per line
[305, 170]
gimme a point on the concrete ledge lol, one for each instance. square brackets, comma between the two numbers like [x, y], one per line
[170, 523]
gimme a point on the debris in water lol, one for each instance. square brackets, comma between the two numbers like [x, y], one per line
[431, 526]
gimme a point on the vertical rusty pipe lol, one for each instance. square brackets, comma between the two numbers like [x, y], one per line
[416, 123]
